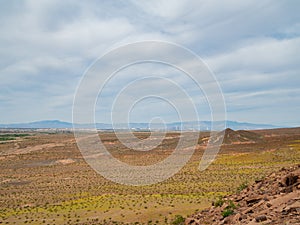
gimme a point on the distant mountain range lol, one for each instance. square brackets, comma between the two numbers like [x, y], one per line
[202, 125]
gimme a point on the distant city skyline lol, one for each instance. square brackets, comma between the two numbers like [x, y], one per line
[252, 47]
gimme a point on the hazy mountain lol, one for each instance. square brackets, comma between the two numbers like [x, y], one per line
[39, 124]
[202, 125]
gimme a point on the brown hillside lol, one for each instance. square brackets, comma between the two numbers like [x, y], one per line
[241, 136]
[274, 200]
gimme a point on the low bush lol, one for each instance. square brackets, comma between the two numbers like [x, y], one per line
[219, 202]
[229, 210]
[179, 220]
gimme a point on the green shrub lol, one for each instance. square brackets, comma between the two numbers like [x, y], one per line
[11, 137]
[229, 210]
[179, 220]
[7, 138]
[242, 187]
[219, 202]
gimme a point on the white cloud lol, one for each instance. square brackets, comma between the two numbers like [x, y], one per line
[265, 55]
[252, 46]
[165, 9]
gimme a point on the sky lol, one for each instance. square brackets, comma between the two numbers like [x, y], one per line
[251, 47]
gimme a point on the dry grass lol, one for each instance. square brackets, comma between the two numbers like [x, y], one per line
[36, 188]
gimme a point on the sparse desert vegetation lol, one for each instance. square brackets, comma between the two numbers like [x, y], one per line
[44, 179]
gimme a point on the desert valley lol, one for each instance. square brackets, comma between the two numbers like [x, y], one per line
[45, 180]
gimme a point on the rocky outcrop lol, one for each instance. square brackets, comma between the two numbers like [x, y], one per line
[273, 200]
[241, 136]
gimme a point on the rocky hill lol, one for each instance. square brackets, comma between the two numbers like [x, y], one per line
[274, 200]
[241, 136]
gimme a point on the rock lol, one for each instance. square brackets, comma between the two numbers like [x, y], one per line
[261, 218]
[248, 211]
[274, 200]
[244, 217]
[237, 217]
[289, 180]
[227, 220]
[253, 201]
[190, 221]
[273, 175]
[295, 207]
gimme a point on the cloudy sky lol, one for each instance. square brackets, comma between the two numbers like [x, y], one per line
[252, 47]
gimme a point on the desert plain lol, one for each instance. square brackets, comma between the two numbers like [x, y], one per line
[45, 180]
